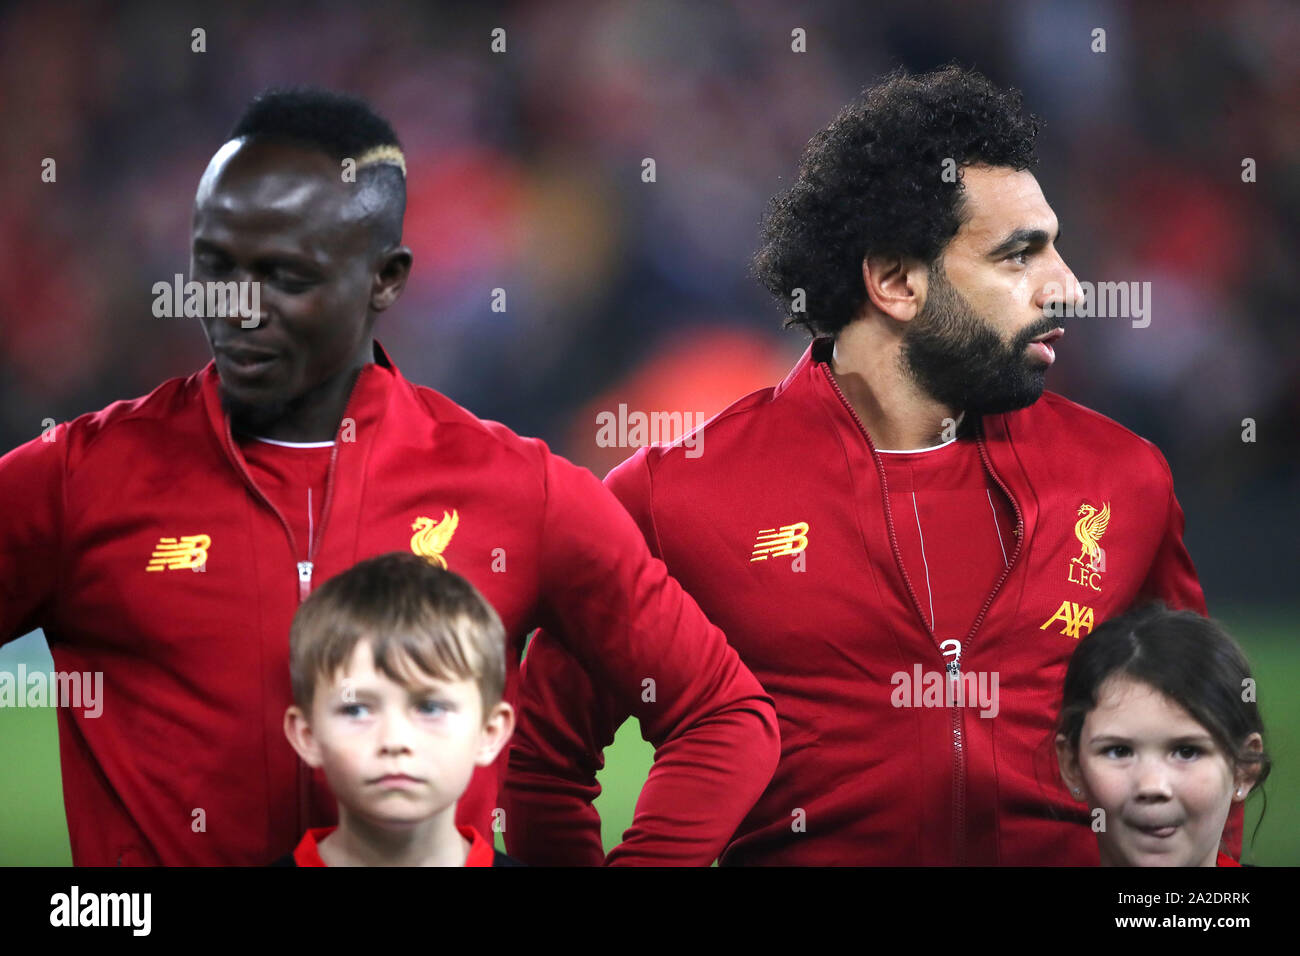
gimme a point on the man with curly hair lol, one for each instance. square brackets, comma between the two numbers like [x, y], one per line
[906, 537]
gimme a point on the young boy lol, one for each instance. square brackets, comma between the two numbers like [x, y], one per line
[398, 669]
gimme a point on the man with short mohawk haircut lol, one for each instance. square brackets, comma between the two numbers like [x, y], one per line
[298, 452]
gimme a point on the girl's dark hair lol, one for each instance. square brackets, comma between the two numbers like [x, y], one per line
[1188, 658]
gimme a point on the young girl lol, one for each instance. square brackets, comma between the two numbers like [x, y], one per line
[1159, 730]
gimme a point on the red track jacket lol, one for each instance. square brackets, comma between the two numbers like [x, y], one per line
[862, 781]
[103, 529]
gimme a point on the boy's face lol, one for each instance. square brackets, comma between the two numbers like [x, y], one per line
[393, 754]
[1164, 783]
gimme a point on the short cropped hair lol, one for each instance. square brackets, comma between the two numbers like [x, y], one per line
[873, 183]
[411, 613]
[342, 127]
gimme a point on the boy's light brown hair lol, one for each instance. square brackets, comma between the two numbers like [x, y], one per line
[410, 612]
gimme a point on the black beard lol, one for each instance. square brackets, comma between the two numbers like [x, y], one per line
[249, 419]
[960, 361]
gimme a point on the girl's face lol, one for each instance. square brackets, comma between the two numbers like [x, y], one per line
[1163, 783]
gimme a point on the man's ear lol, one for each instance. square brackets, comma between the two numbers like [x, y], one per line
[390, 277]
[497, 728]
[896, 286]
[1071, 775]
[298, 730]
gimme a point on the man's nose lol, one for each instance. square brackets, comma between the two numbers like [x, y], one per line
[248, 310]
[1061, 293]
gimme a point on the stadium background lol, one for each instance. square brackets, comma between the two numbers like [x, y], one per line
[525, 174]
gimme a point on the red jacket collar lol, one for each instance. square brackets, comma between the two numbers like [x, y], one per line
[365, 406]
[811, 379]
[307, 853]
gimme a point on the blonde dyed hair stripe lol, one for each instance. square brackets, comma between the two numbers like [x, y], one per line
[389, 155]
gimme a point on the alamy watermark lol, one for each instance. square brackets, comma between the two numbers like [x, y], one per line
[633, 429]
[75, 689]
[197, 300]
[946, 688]
[129, 910]
[1102, 300]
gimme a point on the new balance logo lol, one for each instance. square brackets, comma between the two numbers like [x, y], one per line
[177, 554]
[775, 542]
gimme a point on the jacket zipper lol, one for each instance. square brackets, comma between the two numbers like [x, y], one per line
[959, 784]
[954, 669]
[304, 568]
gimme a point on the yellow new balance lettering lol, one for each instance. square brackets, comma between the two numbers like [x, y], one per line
[432, 537]
[176, 554]
[775, 542]
[1073, 617]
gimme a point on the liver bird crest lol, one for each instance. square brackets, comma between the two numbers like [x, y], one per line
[432, 537]
[1089, 529]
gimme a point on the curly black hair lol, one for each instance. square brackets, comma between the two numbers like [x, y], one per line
[872, 183]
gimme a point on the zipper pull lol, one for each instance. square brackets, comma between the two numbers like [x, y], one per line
[304, 580]
[953, 666]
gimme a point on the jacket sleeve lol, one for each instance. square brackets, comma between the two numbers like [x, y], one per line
[622, 638]
[31, 520]
[565, 723]
[1171, 577]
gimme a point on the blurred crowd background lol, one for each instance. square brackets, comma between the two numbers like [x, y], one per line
[525, 174]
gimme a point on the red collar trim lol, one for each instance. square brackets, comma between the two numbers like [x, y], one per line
[481, 852]
[371, 384]
[307, 853]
